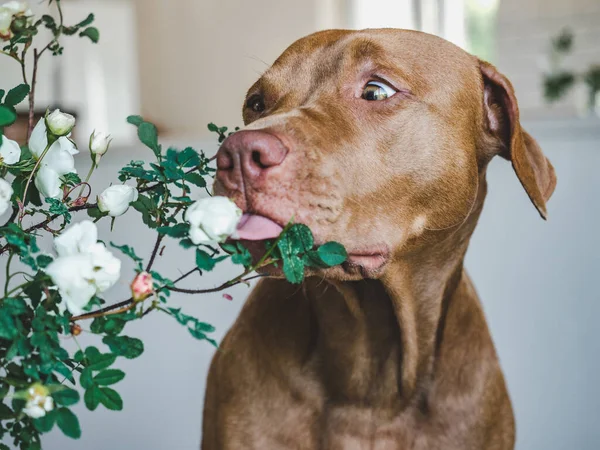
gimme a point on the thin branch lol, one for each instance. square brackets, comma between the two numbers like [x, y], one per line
[215, 289]
[31, 120]
[125, 305]
[159, 239]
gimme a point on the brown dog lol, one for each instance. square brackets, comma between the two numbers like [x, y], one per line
[377, 139]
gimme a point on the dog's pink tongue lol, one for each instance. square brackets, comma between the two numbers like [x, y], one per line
[257, 228]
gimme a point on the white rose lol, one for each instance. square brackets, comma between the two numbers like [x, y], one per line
[48, 182]
[60, 123]
[70, 275]
[6, 17]
[78, 238]
[106, 268]
[39, 401]
[10, 152]
[115, 199]
[99, 143]
[212, 219]
[6, 192]
[84, 267]
[18, 7]
[57, 162]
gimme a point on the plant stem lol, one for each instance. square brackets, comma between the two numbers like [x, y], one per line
[87, 179]
[36, 58]
[10, 257]
[37, 165]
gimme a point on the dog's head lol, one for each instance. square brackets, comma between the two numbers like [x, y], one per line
[374, 139]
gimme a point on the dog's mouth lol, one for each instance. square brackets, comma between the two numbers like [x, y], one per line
[255, 229]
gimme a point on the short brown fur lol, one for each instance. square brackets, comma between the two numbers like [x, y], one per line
[395, 355]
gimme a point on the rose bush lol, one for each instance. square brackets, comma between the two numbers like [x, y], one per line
[41, 192]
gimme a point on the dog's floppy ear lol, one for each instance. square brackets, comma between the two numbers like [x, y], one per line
[531, 166]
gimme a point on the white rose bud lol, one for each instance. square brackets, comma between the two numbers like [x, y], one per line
[10, 152]
[212, 219]
[59, 123]
[99, 143]
[38, 402]
[115, 199]
[6, 192]
[6, 16]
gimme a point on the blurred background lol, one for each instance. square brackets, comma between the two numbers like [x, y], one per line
[185, 63]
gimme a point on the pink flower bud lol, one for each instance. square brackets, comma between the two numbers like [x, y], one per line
[141, 286]
[227, 297]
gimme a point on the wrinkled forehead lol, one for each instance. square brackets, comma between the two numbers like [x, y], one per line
[424, 64]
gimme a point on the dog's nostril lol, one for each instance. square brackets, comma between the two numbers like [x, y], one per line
[257, 160]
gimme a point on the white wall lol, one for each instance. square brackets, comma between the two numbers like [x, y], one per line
[523, 40]
[198, 58]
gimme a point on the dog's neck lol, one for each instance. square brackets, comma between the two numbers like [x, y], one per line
[381, 336]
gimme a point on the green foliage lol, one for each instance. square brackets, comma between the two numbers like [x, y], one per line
[559, 81]
[296, 251]
[35, 321]
[16, 95]
[7, 116]
[196, 328]
[221, 131]
[557, 85]
[92, 33]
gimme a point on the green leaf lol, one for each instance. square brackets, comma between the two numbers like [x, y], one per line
[68, 423]
[86, 379]
[8, 327]
[2, 92]
[293, 269]
[124, 346]
[95, 213]
[188, 157]
[92, 33]
[91, 397]
[128, 251]
[7, 116]
[64, 370]
[187, 243]
[195, 178]
[5, 412]
[149, 137]
[114, 326]
[66, 397]
[176, 231]
[58, 207]
[97, 325]
[111, 399]
[44, 424]
[204, 261]
[332, 253]
[16, 306]
[135, 120]
[85, 22]
[102, 361]
[16, 95]
[110, 376]
[43, 261]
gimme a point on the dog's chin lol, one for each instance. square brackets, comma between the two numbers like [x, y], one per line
[358, 266]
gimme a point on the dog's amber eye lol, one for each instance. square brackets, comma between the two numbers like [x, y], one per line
[376, 90]
[256, 103]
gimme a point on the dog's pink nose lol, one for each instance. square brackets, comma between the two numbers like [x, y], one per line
[246, 155]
